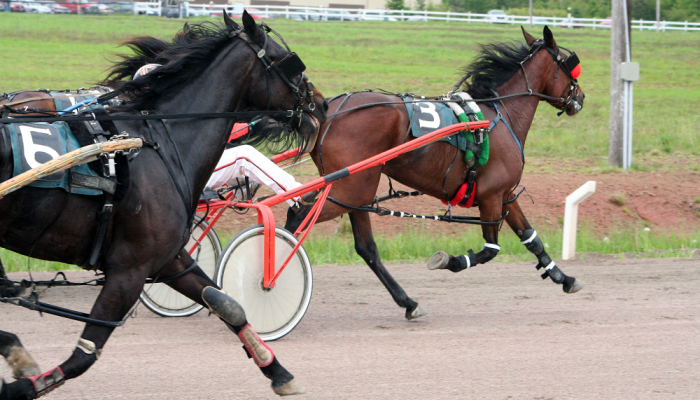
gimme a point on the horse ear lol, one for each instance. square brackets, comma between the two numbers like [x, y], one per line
[185, 29]
[231, 24]
[251, 28]
[549, 39]
[529, 39]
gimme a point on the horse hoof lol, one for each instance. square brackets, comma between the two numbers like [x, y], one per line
[573, 288]
[438, 260]
[22, 363]
[289, 389]
[416, 313]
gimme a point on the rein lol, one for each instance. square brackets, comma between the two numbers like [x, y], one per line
[487, 100]
[241, 114]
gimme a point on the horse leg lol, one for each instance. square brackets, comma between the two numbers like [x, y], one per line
[367, 249]
[528, 236]
[17, 357]
[200, 288]
[120, 292]
[490, 211]
[11, 290]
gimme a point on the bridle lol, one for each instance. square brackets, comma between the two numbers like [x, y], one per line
[571, 67]
[287, 68]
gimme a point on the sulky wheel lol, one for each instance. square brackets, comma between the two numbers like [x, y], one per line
[274, 312]
[165, 301]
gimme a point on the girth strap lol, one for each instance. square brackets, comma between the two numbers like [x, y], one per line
[93, 182]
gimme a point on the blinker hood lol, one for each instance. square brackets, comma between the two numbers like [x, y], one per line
[573, 65]
[291, 65]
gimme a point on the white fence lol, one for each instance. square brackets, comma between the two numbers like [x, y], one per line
[340, 14]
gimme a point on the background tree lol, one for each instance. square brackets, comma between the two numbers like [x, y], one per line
[395, 5]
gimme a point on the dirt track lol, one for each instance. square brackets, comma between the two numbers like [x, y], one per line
[493, 332]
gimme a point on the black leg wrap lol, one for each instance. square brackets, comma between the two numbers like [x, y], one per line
[556, 275]
[485, 255]
[22, 389]
[3, 391]
[461, 263]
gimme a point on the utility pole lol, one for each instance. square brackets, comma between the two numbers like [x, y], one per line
[622, 73]
[531, 14]
[658, 15]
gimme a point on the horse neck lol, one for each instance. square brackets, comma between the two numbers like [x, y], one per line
[521, 109]
[220, 88]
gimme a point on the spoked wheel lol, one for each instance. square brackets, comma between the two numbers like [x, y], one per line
[167, 302]
[274, 312]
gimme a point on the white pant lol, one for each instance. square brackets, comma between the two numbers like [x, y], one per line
[242, 161]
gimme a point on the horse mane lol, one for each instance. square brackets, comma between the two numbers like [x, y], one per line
[182, 59]
[493, 66]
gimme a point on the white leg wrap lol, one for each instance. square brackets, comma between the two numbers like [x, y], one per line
[261, 353]
[492, 246]
[89, 347]
[469, 263]
[527, 241]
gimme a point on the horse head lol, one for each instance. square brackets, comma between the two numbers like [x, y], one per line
[286, 86]
[570, 95]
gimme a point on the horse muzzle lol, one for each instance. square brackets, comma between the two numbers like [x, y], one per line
[575, 105]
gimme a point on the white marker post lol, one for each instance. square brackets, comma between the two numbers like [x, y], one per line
[568, 251]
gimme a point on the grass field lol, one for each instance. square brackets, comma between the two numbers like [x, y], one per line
[58, 52]
[54, 51]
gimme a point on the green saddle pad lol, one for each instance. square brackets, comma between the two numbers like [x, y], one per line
[430, 116]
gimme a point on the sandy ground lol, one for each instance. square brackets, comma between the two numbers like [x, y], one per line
[493, 332]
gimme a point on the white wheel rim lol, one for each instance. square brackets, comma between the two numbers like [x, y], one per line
[275, 312]
[164, 300]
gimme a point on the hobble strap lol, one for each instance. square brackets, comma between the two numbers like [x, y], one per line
[261, 354]
[48, 381]
[89, 347]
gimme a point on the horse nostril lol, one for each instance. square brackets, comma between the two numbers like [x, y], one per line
[325, 106]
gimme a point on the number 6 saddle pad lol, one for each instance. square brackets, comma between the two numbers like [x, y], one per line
[34, 144]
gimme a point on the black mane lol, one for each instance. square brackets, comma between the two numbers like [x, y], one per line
[494, 66]
[183, 59]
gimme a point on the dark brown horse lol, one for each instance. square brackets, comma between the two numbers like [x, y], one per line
[439, 170]
[217, 71]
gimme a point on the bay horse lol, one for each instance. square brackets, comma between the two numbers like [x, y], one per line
[226, 68]
[377, 122]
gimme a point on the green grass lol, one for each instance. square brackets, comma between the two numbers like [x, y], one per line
[416, 247]
[70, 51]
[59, 51]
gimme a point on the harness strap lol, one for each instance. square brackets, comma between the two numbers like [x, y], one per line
[102, 224]
[500, 118]
[330, 122]
[186, 200]
[93, 182]
[177, 276]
